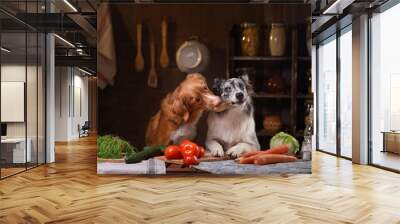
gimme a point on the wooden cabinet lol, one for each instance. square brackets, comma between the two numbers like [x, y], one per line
[294, 68]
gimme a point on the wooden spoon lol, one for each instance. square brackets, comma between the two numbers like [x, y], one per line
[152, 80]
[164, 60]
[139, 61]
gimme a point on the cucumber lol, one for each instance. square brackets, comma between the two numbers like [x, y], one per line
[147, 153]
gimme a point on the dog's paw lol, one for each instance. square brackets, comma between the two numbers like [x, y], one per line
[217, 151]
[235, 152]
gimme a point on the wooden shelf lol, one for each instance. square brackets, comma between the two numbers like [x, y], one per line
[304, 58]
[294, 64]
[307, 97]
[275, 59]
[272, 96]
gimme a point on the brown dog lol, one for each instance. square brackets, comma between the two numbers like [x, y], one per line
[180, 111]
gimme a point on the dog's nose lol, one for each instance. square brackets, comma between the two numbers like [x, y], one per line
[239, 96]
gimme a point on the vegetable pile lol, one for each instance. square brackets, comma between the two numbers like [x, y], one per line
[113, 147]
[271, 156]
[283, 138]
[187, 150]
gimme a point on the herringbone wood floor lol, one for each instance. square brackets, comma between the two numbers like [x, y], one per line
[70, 191]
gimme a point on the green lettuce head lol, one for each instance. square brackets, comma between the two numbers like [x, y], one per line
[282, 138]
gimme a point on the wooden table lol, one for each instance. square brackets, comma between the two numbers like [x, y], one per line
[208, 165]
[14, 150]
[391, 141]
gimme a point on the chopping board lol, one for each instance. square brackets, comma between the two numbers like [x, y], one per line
[205, 158]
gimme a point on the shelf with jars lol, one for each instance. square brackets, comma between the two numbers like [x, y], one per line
[277, 61]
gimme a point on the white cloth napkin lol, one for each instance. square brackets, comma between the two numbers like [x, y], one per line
[149, 167]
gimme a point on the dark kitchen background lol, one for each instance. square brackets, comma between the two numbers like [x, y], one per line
[126, 107]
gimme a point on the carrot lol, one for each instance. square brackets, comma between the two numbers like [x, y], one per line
[247, 160]
[252, 153]
[282, 149]
[273, 158]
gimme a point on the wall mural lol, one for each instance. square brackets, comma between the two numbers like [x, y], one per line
[204, 89]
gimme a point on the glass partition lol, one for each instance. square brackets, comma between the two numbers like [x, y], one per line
[22, 88]
[15, 153]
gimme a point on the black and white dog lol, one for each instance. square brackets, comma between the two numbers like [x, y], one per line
[232, 131]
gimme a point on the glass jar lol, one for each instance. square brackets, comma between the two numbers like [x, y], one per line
[250, 39]
[277, 39]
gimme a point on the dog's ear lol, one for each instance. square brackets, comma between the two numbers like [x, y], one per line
[179, 108]
[245, 79]
[217, 86]
[248, 84]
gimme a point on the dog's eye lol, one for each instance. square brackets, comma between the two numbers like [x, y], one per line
[197, 99]
[240, 85]
[227, 89]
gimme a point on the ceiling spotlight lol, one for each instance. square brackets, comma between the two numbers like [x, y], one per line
[5, 50]
[70, 5]
[64, 40]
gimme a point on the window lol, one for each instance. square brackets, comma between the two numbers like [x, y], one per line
[327, 96]
[334, 106]
[385, 89]
[346, 92]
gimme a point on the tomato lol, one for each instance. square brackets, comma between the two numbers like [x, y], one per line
[173, 152]
[189, 152]
[188, 145]
[190, 160]
[201, 151]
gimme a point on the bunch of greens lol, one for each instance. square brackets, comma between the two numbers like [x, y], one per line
[113, 147]
[283, 138]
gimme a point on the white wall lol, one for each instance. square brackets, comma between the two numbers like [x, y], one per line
[62, 81]
[80, 94]
[70, 84]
